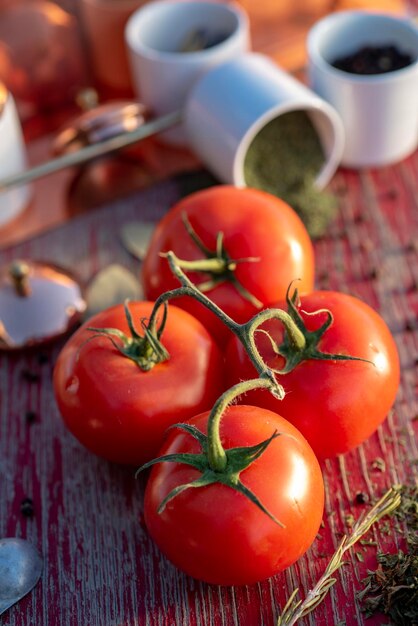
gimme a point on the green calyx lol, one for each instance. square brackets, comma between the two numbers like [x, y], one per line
[215, 464]
[145, 350]
[237, 460]
[295, 354]
[217, 264]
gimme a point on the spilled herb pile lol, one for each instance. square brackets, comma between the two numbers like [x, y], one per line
[284, 159]
[393, 588]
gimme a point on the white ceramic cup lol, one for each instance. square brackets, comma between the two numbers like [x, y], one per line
[12, 158]
[230, 104]
[162, 75]
[379, 111]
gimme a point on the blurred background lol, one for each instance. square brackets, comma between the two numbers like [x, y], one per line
[49, 50]
[60, 58]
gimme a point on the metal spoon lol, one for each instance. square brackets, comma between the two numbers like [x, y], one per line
[99, 149]
[20, 570]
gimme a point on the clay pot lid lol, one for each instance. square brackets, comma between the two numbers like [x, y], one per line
[38, 303]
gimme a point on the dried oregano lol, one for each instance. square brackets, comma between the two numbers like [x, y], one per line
[392, 589]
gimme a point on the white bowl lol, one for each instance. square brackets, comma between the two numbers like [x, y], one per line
[380, 111]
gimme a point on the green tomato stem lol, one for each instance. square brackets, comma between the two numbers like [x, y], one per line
[244, 332]
[216, 453]
[212, 266]
[295, 335]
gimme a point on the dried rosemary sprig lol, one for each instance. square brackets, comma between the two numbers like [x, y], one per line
[392, 589]
[296, 609]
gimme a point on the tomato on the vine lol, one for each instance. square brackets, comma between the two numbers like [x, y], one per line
[245, 246]
[335, 403]
[215, 533]
[113, 407]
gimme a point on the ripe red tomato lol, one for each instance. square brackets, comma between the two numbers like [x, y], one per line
[255, 225]
[117, 410]
[335, 404]
[218, 535]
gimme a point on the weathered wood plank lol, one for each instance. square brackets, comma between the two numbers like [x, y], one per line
[101, 569]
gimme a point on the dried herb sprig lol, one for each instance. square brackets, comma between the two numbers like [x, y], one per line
[392, 589]
[407, 512]
[295, 608]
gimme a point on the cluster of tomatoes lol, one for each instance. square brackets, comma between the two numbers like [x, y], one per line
[242, 248]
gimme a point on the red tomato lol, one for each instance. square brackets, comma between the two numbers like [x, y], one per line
[335, 404]
[218, 535]
[117, 410]
[255, 224]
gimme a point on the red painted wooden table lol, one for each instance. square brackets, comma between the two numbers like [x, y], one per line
[101, 569]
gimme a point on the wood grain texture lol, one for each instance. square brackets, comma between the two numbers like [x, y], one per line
[101, 569]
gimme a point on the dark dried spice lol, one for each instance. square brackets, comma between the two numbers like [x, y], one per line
[31, 417]
[410, 326]
[26, 507]
[374, 60]
[30, 376]
[42, 358]
[411, 247]
[361, 498]
[393, 588]
[412, 287]
[340, 188]
[324, 275]
[373, 274]
[390, 194]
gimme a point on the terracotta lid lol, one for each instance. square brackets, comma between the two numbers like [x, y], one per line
[38, 303]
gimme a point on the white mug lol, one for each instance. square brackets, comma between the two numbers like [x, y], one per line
[230, 105]
[12, 158]
[162, 74]
[379, 111]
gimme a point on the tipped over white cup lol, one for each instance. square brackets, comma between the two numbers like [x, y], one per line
[379, 111]
[230, 104]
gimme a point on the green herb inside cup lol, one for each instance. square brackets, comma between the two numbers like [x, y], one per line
[285, 158]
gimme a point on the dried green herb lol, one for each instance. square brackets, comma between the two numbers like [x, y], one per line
[284, 159]
[295, 608]
[393, 588]
[379, 464]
